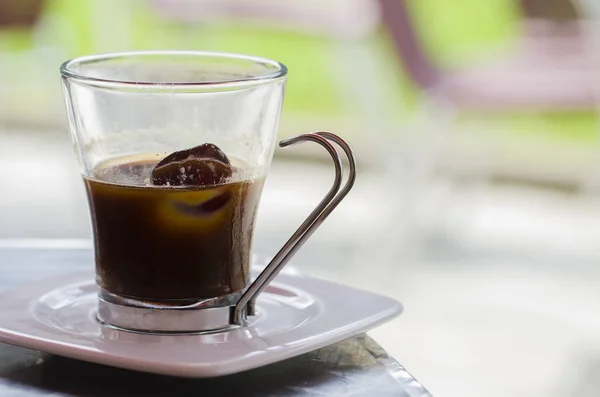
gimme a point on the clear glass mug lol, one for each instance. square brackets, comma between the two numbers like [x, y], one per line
[174, 147]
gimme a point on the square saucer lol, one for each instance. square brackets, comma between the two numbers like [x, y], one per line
[296, 314]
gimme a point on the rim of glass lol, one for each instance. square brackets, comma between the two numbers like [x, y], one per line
[280, 70]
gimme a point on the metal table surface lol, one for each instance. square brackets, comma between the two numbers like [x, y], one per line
[352, 368]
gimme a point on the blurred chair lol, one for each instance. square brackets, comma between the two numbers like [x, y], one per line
[551, 68]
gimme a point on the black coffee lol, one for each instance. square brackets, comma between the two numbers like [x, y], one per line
[171, 241]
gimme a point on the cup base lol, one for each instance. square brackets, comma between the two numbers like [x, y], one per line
[133, 315]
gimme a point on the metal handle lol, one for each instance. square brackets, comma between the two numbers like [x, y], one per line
[246, 303]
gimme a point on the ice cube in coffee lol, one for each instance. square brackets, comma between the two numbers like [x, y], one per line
[173, 228]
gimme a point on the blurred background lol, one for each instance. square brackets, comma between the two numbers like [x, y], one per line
[475, 125]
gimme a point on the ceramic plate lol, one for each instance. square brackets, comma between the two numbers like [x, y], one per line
[296, 315]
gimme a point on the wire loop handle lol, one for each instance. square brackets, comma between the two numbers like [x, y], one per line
[245, 306]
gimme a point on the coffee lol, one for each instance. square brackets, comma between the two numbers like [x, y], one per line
[165, 242]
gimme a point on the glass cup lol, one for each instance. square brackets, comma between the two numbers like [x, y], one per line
[174, 147]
